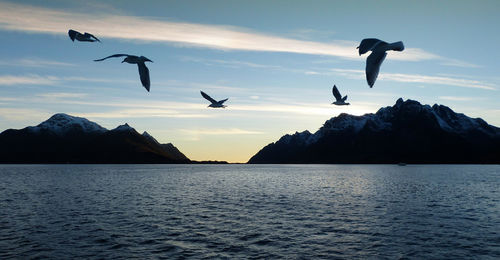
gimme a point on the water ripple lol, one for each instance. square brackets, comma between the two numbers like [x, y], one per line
[247, 211]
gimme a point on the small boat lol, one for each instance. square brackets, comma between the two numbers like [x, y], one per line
[402, 164]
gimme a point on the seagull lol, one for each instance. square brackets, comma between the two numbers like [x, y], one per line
[132, 59]
[86, 37]
[339, 100]
[215, 104]
[377, 56]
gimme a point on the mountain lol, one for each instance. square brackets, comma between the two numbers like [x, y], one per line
[168, 148]
[407, 132]
[69, 139]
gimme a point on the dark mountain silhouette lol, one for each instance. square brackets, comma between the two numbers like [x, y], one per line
[406, 132]
[168, 148]
[68, 139]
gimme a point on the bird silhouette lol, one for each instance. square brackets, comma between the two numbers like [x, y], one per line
[375, 59]
[339, 100]
[132, 59]
[215, 104]
[85, 37]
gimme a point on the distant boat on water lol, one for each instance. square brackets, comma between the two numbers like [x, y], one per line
[402, 164]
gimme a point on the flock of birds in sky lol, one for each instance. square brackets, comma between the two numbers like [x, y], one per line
[373, 62]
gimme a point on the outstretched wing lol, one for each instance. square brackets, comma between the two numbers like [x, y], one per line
[222, 101]
[113, 56]
[396, 46]
[144, 74]
[336, 93]
[344, 98]
[72, 34]
[91, 36]
[373, 63]
[207, 97]
[368, 44]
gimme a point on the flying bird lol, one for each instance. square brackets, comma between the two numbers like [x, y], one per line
[86, 37]
[132, 59]
[215, 104]
[339, 100]
[377, 56]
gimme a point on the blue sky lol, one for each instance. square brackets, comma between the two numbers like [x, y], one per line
[276, 61]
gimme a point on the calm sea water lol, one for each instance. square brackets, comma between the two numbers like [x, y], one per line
[248, 211]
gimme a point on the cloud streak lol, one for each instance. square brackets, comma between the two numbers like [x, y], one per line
[143, 113]
[35, 62]
[22, 114]
[49, 80]
[416, 78]
[453, 98]
[57, 95]
[31, 79]
[43, 20]
[222, 131]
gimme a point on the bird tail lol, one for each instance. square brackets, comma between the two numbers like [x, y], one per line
[396, 46]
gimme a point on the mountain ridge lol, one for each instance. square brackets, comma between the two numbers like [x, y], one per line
[406, 132]
[69, 139]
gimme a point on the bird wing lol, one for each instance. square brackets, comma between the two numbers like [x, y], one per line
[396, 46]
[373, 63]
[144, 74]
[207, 97]
[336, 93]
[113, 56]
[222, 101]
[368, 44]
[91, 36]
[144, 59]
[72, 34]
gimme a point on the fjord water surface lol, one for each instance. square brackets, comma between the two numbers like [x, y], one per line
[249, 211]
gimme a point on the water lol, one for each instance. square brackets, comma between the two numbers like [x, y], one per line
[248, 211]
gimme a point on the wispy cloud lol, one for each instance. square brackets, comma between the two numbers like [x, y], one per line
[220, 131]
[239, 64]
[416, 78]
[34, 62]
[453, 98]
[229, 63]
[35, 79]
[305, 109]
[458, 63]
[21, 114]
[254, 106]
[56, 95]
[31, 79]
[44, 20]
[308, 33]
[144, 113]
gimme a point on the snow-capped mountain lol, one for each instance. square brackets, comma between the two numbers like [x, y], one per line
[68, 139]
[406, 132]
[62, 123]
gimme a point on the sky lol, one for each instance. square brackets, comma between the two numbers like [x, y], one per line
[276, 61]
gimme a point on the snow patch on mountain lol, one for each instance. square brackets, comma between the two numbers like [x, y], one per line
[298, 137]
[457, 122]
[62, 123]
[385, 118]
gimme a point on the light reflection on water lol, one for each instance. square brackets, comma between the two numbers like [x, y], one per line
[245, 211]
